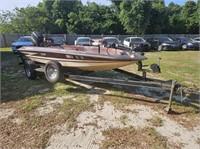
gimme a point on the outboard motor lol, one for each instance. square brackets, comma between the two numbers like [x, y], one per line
[37, 38]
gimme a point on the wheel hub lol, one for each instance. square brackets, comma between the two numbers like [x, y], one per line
[52, 72]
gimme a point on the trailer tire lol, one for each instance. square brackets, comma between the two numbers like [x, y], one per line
[54, 72]
[29, 67]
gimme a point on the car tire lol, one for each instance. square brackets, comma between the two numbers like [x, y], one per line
[30, 72]
[54, 72]
[184, 47]
[160, 48]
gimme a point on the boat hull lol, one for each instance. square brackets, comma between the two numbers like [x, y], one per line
[79, 59]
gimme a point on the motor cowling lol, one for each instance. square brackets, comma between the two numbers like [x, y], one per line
[37, 38]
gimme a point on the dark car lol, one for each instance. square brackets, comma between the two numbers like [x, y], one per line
[22, 41]
[58, 41]
[111, 40]
[164, 43]
[187, 43]
[137, 42]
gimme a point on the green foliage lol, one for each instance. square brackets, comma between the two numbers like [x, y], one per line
[131, 17]
[190, 17]
[135, 15]
[158, 18]
[175, 24]
[92, 19]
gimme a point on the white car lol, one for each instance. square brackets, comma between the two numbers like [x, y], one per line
[133, 42]
[197, 39]
[83, 41]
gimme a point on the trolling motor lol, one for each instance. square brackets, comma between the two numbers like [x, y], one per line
[156, 67]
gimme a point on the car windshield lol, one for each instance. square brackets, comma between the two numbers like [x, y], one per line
[112, 40]
[137, 40]
[84, 40]
[165, 39]
[24, 39]
[58, 40]
[186, 39]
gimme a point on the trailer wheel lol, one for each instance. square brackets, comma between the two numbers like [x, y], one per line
[29, 67]
[54, 72]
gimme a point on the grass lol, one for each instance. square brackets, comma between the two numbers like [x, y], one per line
[31, 105]
[119, 99]
[156, 121]
[71, 108]
[198, 141]
[130, 137]
[6, 49]
[123, 119]
[183, 66]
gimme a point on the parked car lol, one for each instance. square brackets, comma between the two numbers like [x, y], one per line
[137, 42]
[187, 43]
[84, 41]
[197, 39]
[57, 41]
[111, 40]
[22, 41]
[164, 43]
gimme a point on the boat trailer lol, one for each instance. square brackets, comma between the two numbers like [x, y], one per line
[135, 80]
[140, 81]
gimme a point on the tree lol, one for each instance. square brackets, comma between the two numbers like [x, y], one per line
[92, 19]
[175, 24]
[23, 20]
[135, 15]
[190, 17]
[56, 14]
[5, 22]
[158, 18]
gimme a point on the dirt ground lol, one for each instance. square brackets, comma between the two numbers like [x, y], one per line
[180, 130]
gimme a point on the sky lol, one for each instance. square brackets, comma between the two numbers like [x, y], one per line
[11, 4]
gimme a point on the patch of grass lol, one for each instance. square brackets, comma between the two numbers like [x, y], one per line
[198, 141]
[118, 99]
[71, 108]
[123, 119]
[182, 66]
[130, 137]
[156, 121]
[187, 108]
[31, 105]
[6, 49]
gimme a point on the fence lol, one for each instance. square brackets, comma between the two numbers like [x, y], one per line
[6, 40]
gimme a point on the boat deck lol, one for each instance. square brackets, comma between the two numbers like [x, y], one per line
[95, 50]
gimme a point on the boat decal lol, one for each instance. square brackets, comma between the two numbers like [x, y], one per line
[43, 54]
